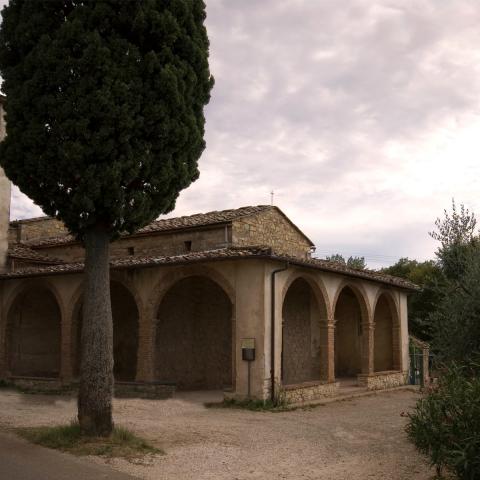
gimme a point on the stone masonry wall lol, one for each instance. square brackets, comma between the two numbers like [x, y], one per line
[175, 243]
[382, 381]
[35, 229]
[270, 228]
[149, 245]
[308, 392]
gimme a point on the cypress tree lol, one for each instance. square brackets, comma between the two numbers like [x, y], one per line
[105, 127]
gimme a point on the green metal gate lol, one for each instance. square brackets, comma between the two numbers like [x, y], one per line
[416, 376]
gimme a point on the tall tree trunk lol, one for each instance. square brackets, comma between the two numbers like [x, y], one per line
[96, 370]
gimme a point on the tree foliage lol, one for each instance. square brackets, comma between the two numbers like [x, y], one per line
[455, 322]
[357, 263]
[458, 237]
[105, 127]
[445, 424]
[104, 106]
[428, 276]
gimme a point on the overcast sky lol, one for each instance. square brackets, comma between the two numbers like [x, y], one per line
[362, 116]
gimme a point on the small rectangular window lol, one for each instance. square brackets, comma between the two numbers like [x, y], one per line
[188, 245]
[131, 250]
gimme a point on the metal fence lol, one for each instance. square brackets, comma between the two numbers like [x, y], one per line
[420, 361]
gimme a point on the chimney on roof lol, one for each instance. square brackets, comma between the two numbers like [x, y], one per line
[5, 190]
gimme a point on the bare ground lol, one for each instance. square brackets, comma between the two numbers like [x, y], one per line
[357, 439]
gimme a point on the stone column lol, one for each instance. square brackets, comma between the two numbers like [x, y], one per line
[146, 346]
[327, 342]
[368, 336]
[4, 201]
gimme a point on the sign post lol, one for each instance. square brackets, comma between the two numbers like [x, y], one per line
[248, 355]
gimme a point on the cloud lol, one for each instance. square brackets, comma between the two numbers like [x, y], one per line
[363, 116]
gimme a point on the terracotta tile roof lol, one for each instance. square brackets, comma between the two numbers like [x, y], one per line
[168, 224]
[203, 219]
[221, 254]
[50, 241]
[22, 252]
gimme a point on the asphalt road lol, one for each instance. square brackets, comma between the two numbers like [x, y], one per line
[21, 460]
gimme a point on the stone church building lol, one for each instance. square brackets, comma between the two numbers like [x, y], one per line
[228, 300]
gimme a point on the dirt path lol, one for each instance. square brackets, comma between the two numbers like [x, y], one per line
[358, 439]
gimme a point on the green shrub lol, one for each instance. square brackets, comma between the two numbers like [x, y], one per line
[445, 424]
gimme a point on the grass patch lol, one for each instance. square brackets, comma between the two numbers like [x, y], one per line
[68, 438]
[252, 405]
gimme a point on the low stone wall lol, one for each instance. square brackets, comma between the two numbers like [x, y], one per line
[40, 385]
[382, 380]
[309, 391]
[151, 390]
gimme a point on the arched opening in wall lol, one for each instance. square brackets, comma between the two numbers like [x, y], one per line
[348, 334]
[301, 345]
[34, 335]
[383, 339]
[194, 336]
[125, 333]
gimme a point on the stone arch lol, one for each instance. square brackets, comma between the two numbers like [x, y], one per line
[194, 341]
[318, 288]
[387, 350]
[126, 317]
[168, 280]
[351, 314]
[304, 310]
[360, 294]
[34, 283]
[34, 330]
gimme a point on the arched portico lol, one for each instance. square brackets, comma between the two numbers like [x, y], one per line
[386, 337]
[34, 330]
[194, 335]
[125, 314]
[351, 321]
[304, 313]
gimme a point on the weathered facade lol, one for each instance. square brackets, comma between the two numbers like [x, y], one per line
[188, 293]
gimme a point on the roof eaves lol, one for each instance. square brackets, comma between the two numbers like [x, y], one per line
[255, 252]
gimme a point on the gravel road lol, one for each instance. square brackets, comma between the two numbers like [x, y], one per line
[357, 439]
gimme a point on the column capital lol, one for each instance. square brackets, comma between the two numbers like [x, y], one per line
[327, 322]
[368, 325]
